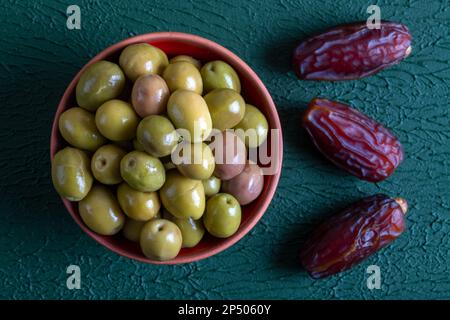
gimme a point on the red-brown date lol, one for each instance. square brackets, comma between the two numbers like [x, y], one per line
[352, 235]
[351, 51]
[351, 140]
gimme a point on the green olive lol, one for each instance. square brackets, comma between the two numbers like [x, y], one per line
[160, 239]
[100, 211]
[211, 186]
[188, 110]
[185, 58]
[105, 164]
[192, 231]
[100, 82]
[142, 171]
[141, 59]
[254, 127]
[77, 126]
[71, 174]
[157, 135]
[218, 74]
[195, 161]
[222, 216]
[117, 120]
[132, 229]
[138, 205]
[183, 197]
[183, 75]
[226, 106]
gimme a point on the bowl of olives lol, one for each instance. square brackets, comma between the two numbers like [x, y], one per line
[150, 152]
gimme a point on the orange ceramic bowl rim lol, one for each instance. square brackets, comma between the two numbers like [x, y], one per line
[262, 202]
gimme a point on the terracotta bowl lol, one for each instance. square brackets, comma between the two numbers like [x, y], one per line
[253, 91]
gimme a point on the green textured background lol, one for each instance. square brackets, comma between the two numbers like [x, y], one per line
[39, 56]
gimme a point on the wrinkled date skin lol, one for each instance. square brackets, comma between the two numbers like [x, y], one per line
[351, 51]
[352, 235]
[352, 141]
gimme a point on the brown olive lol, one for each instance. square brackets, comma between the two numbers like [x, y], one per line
[149, 95]
[230, 155]
[247, 185]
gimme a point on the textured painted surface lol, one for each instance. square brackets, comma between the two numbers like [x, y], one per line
[39, 56]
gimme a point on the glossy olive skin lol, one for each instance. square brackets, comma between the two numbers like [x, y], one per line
[256, 125]
[141, 59]
[100, 82]
[192, 231]
[71, 174]
[160, 239]
[157, 135]
[188, 110]
[132, 229]
[230, 155]
[184, 76]
[211, 186]
[77, 126]
[100, 211]
[247, 185]
[226, 106]
[197, 161]
[185, 58]
[149, 95]
[219, 74]
[222, 216]
[116, 120]
[105, 164]
[137, 205]
[142, 171]
[183, 197]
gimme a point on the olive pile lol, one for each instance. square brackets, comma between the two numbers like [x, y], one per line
[119, 165]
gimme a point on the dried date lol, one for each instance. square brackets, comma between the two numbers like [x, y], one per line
[352, 141]
[352, 235]
[351, 51]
